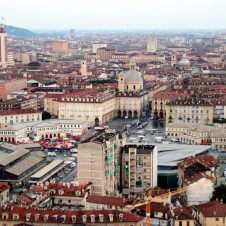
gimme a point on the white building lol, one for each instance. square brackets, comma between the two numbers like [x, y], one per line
[11, 117]
[152, 44]
[98, 46]
[22, 132]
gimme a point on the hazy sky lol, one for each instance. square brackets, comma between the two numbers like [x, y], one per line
[114, 14]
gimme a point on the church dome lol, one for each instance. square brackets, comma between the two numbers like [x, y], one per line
[133, 76]
[184, 61]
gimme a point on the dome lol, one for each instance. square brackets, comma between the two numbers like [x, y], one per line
[184, 61]
[133, 76]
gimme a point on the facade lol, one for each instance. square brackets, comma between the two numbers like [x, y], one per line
[98, 162]
[189, 110]
[3, 47]
[9, 86]
[11, 117]
[152, 44]
[191, 133]
[132, 99]
[105, 53]
[139, 168]
[60, 46]
[200, 173]
[96, 107]
[4, 193]
[36, 131]
[160, 100]
[21, 57]
[21, 102]
[97, 46]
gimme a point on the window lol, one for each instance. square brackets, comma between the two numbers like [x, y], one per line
[180, 223]
[217, 219]
[188, 223]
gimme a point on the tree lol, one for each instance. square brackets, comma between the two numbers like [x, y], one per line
[220, 193]
[46, 115]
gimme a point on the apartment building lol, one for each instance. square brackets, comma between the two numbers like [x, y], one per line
[191, 133]
[11, 117]
[11, 85]
[21, 102]
[160, 100]
[189, 110]
[98, 162]
[105, 53]
[139, 168]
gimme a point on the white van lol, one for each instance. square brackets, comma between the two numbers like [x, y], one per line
[73, 164]
[51, 153]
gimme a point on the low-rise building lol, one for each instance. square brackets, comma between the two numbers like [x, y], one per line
[199, 174]
[96, 202]
[210, 214]
[36, 131]
[11, 117]
[191, 133]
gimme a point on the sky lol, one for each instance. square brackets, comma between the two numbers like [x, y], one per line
[114, 14]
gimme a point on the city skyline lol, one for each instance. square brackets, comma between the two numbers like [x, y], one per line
[115, 15]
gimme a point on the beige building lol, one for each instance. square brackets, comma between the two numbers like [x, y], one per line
[132, 99]
[152, 44]
[160, 100]
[191, 133]
[11, 117]
[96, 108]
[60, 46]
[139, 168]
[210, 214]
[188, 110]
[105, 53]
[98, 162]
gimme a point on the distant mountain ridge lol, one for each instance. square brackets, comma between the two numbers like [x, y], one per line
[18, 32]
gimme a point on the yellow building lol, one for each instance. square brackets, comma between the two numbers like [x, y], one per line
[210, 214]
[188, 110]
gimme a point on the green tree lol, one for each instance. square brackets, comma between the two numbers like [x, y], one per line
[46, 115]
[220, 193]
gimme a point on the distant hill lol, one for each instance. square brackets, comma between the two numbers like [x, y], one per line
[18, 32]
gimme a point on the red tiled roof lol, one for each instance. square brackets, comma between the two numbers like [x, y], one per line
[181, 213]
[108, 200]
[3, 186]
[56, 216]
[206, 160]
[170, 95]
[19, 111]
[212, 209]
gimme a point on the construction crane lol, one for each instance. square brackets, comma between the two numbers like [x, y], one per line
[159, 198]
